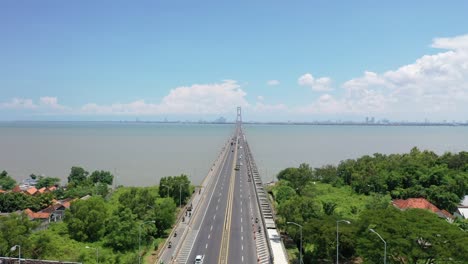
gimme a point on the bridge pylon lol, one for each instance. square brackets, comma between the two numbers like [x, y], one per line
[239, 115]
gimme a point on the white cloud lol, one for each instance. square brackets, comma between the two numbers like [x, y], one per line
[260, 98]
[434, 86]
[318, 85]
[51, 102]
[197, 99]
[18, 103]
[273, 82]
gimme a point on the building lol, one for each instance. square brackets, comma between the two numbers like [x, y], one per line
[421, 203]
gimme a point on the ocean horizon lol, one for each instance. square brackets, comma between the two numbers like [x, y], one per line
[140, 153]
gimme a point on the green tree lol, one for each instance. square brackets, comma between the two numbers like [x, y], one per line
[6, 181]
[14, 230]
[77, 176]
[163, 214]
[122, 230]
[179, 187]
[283, 192]
[139, 201]
[102, 177]
[297, 178]
[86, 219]
[47, 182]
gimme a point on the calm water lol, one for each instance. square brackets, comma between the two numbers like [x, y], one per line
[141, 153]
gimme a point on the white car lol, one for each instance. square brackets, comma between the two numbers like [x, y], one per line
[198, 259]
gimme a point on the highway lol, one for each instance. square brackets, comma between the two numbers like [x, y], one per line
[241, 243]
[225, 219]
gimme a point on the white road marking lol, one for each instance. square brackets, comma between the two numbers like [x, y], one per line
[211, 228]
[242, 258]
[242, 247]
[241, 220]
[242, 229]
[206, 246]
[216, 208]
[209, 236]
[214, 217]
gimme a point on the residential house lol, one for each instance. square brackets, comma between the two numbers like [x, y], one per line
[421, 203]
[31, 191]
[41, 216]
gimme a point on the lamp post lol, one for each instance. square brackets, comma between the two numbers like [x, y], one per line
[97, 253]
[385, 245]
[338, 238]
[300, 250]
[19, 251]
[180, 193]
[139, 238]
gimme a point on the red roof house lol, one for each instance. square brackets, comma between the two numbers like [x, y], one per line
[39, 215]
[31, 191]
[421, 203]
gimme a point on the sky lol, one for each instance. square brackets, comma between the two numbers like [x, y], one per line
[199, 60]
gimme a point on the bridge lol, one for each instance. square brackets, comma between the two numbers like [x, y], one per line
[230, 218]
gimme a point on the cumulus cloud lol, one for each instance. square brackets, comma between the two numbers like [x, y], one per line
[273, 82]
[316, 84]
[434, 86]
[214, 98]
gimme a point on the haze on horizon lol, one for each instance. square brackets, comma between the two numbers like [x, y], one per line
[301, 61]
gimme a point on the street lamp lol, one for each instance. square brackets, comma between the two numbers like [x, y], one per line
[97, 253]
[139, 238]
[385, 245]
[338, 238]
[300, 250]
[19, 251]
[180, 193]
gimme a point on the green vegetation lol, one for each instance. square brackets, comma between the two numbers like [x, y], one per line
[106, 221]
[6, 181]
[360, 191]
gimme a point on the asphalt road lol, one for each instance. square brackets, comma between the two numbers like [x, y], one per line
[241, 244]
[240, 237]
[208, 240]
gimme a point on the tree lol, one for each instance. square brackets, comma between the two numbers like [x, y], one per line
[122, 230]
[6, 181]
[283, 193]
[77, 176]
[297, 178]
[86, 219]
[179, 187]
[102, 177]
[163, 214]
[139, 201]
[14, 230]
[47, 182]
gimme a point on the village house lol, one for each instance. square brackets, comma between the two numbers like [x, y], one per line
[421, 203]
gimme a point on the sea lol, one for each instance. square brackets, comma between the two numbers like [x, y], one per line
[139, 153]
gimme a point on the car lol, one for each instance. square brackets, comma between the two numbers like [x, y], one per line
[198, 259]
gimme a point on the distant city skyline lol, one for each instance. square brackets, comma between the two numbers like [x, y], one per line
[307, 61]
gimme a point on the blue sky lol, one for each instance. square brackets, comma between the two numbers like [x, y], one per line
[301, 61]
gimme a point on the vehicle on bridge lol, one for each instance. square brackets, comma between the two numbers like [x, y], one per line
[199, 259]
